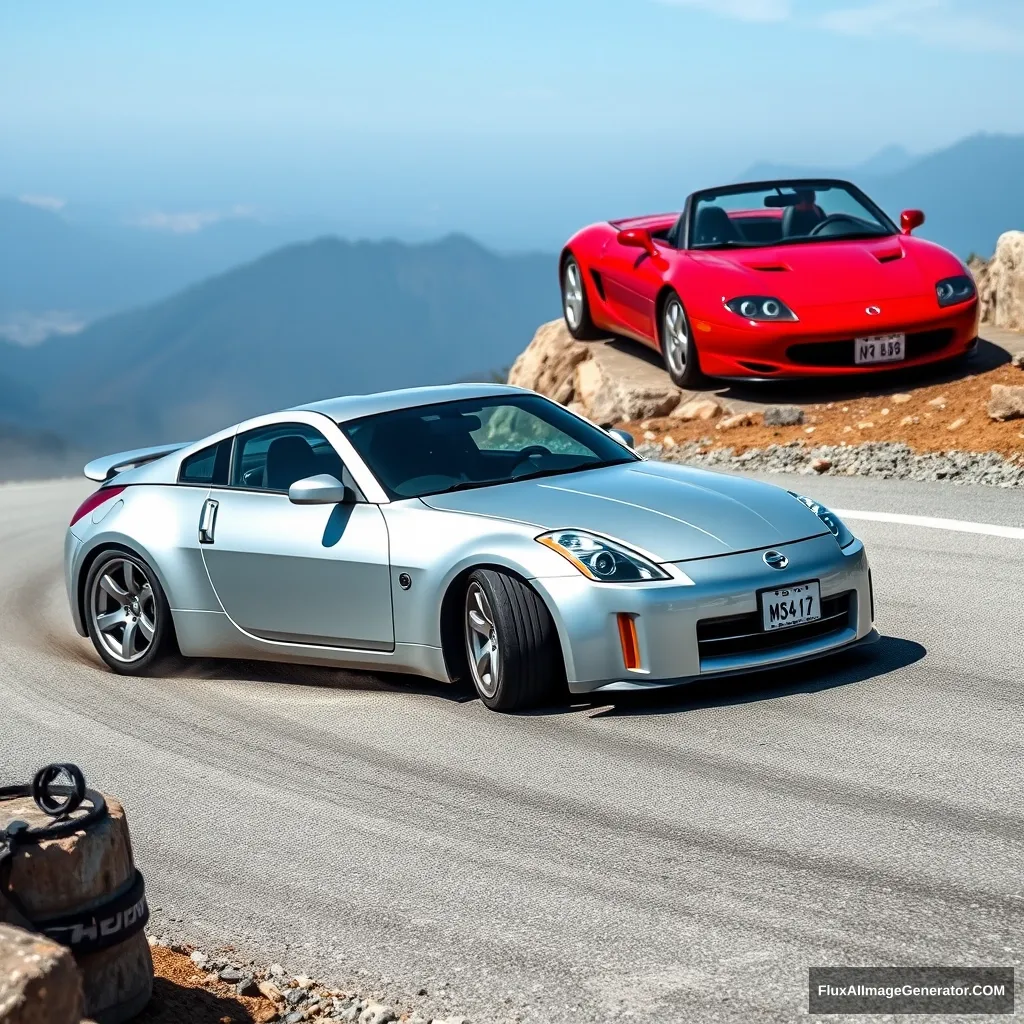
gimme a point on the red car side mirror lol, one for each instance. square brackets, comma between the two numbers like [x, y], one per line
[910, 219]
[637, 238]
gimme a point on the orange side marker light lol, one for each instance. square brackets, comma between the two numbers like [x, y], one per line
[628, 639]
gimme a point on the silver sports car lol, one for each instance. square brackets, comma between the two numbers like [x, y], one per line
[476, 531]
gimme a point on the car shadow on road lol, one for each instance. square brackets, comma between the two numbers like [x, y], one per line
[887, 655]
[815, 390]
[843, 669]
[325, 677]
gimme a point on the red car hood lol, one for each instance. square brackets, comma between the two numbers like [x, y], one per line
[827, 273]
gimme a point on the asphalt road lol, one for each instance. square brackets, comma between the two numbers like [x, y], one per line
[683, 858]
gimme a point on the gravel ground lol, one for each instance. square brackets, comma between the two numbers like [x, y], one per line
[883, 459]
[212, 988]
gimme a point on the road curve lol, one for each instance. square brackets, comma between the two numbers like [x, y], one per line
[684, 857]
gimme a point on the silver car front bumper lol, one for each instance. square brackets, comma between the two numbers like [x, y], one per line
[706, 625]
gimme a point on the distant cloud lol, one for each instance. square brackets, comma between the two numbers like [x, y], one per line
[741, 10]
[942, 23]
[44, 202]
[189, 222]
[946, 24]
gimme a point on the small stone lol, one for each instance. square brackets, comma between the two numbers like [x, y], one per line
[900, 399]
[231, 974]
[820, 465]
[1006, 402]
[865, 425]
[956, 424]
[421, 991]
[198, 957]
[740, 419]
[1018, 361]
[668, 441]
[304, 982]
[938, 403]
[846, 408]
[649, 435]
[294, 1017]
[276, 971]
[376, 1013]
[808, 430]
[885, 412]
[783, 416]
[451, 1020]
[210, 978]
[697, 409]
[909, 421]
[270, 991]
[847, 430]
[247, 987]
[294, 996]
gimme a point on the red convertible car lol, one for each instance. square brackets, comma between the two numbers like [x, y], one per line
[769, 280]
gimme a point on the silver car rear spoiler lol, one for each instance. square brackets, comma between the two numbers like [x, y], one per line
[110, 465]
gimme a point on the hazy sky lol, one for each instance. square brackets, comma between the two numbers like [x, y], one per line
[494, 118]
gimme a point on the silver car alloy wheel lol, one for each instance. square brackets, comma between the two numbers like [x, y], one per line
[676, 335]
[573, 294]
[482, 641]
[123, 609]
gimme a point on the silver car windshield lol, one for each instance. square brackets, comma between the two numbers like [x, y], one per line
[478, 443]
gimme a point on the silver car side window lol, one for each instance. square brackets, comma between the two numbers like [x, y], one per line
[272, 458]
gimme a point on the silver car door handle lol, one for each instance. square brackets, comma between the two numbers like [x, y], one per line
[207, 521]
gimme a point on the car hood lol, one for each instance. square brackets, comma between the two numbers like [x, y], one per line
[826, 273]
[672, 512]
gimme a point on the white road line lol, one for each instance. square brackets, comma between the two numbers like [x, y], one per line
[935, 523]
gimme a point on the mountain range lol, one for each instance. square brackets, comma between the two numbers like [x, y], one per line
[252, 324]
[308, 321]
[57, 273]
[970, 192]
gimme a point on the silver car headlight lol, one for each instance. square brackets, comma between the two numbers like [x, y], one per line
[601, 559]
[830, 519]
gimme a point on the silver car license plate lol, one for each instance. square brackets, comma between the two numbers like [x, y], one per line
[790, 606]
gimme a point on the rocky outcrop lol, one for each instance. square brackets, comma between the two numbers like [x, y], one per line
[1000, 282]
[597, 379]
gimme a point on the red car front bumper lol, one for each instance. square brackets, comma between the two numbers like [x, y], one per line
[821, 343]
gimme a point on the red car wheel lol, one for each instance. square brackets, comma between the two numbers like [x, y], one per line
[575, 307]
[677, 346]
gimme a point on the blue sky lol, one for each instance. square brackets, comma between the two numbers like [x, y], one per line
[507, 120]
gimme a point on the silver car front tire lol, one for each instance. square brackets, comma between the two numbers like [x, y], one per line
[512, 650]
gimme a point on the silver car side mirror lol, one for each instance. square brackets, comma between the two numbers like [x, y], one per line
[622, 435]
[323, 489]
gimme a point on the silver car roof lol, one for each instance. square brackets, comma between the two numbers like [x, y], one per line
[354, 407]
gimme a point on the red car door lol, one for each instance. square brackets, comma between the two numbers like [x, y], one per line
[632, 278]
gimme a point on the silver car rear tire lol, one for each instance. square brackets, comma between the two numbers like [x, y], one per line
[514, 658]
[126, 613]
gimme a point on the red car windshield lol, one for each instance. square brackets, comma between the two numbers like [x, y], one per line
[783, 213]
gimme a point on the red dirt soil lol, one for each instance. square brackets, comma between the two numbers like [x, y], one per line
[835, 423]
[182, 995]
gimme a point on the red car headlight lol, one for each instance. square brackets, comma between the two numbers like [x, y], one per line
[951, 290]
[760, 307]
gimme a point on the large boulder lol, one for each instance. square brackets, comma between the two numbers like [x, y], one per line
[599, 380]
[610, 397]
[548, 364]
[39, 982]
[1000, 282]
